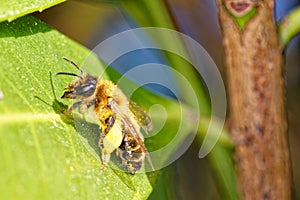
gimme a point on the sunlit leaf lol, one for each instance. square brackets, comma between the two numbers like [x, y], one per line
[45, 154]
[289, 26]
[10, 10]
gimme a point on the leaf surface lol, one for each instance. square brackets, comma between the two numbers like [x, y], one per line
[47, 155]
[12, 9]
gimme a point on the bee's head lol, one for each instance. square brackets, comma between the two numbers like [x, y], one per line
[82, 87]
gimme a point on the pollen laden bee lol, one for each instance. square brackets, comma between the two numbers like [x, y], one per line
[120, 119]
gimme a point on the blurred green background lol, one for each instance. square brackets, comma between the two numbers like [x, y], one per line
[90, 23]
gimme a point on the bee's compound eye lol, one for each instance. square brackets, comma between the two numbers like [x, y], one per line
[85, 90]
[88, 88]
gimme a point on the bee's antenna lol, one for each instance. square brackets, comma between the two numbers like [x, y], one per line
[77, 67]
[69, 74]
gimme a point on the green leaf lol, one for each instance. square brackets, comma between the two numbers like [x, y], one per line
[222, 163]
[12, 9]
[220, 156]
[47, 155]
[43, 155]
[289, 26]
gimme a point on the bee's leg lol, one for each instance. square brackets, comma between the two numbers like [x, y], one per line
[100, 143]
[123, 157]
[105, 159]
[83, 108]
[110, 121]
[103, 153]
[72, 107]
[86, 104]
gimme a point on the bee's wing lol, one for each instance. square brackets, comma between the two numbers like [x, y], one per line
[129, 124]
[140, 116]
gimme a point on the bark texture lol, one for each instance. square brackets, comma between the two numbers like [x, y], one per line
[257, 114]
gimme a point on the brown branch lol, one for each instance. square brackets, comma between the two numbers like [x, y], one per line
[256, 90]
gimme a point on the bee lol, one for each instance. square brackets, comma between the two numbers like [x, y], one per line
[120, 119]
